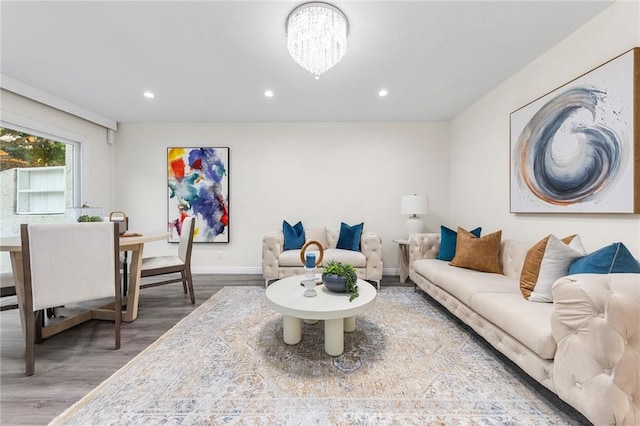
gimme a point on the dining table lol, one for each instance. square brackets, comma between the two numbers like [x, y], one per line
[129, 242]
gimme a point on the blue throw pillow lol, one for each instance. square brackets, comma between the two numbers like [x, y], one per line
[448, 238]
[613, 259]
[293, 235]
[349, 238]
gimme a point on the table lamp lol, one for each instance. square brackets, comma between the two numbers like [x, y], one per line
[414, 205]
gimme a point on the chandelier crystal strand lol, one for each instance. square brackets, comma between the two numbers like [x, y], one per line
[317, 36]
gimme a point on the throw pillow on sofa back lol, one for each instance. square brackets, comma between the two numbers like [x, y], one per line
[612, 259]
[448, 238]
[480, 254]
[293, 235]
[545, 262]
[349, 238]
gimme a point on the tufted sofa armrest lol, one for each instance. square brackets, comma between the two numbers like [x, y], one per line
[272, 247]
[596, 324]
[423, 246]
[371, 247]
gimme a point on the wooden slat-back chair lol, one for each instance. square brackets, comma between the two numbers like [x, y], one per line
[161, 265]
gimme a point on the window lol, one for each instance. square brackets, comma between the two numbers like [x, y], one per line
[38, 175]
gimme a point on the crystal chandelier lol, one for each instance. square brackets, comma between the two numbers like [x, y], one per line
[317, 36]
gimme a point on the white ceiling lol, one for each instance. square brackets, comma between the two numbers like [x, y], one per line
[211, 61]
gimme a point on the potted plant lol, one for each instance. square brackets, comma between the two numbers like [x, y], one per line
[341, 277]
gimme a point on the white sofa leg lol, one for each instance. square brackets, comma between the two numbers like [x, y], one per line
[378, 284]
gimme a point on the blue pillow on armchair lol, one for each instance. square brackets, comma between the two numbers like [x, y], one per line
[349, 238]
[613, 259]
[293, 235]
[448, 238]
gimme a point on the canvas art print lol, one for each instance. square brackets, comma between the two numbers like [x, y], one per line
[576, 149]
[198, 186]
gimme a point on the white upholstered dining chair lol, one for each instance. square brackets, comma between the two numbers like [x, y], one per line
[65, 264]
[162, 265]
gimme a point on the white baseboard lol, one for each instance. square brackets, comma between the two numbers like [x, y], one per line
[390, 271]
[257, 270]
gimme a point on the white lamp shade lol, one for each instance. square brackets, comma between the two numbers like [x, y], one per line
[414, 204]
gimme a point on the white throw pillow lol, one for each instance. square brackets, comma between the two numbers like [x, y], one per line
[555, 265]
[318, 234]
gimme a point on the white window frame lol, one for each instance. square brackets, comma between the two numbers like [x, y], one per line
[43, 130]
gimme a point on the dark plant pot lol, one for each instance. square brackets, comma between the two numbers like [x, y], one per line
[334, 283]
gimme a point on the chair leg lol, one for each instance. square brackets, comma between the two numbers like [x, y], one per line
[39, 323]
[118, 322]
[30, 345]
[184, 281]
[189, 283]
[125, 274]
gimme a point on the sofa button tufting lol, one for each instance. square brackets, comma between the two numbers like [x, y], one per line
[579, 385]
[607, 371]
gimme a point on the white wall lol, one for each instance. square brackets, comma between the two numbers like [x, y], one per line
[97, 182]
[320, 173]
[479, 169]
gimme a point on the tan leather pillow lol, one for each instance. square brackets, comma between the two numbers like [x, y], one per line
[547, 261]
[480, 254]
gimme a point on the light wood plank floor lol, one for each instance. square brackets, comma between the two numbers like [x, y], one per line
[71, 364]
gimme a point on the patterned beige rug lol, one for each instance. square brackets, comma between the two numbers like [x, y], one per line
[226, 363]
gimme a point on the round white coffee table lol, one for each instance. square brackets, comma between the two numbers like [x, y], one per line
[286, 297]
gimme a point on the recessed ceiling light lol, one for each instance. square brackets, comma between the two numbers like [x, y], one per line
[382, 93]
[149, 95]
[268, 93]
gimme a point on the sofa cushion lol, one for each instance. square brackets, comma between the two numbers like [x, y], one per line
[480, 254]
[293, 235]
[354, 258]
[318, 234]
[612, 259]
[349, 238]
[448, 239]
[547, 261]
[290, 258]
[529, 323]
[464, 283]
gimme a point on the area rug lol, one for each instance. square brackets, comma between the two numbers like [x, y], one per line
[407, 363]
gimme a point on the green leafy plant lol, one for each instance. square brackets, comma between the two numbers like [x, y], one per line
[87, 218]
[347, 271]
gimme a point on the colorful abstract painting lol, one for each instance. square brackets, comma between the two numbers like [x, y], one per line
[577, 149]
[198, 186]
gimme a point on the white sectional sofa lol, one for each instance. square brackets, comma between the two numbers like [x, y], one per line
[278, 263]
[585, 346]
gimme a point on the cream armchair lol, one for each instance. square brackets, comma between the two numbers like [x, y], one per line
[277, 263]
